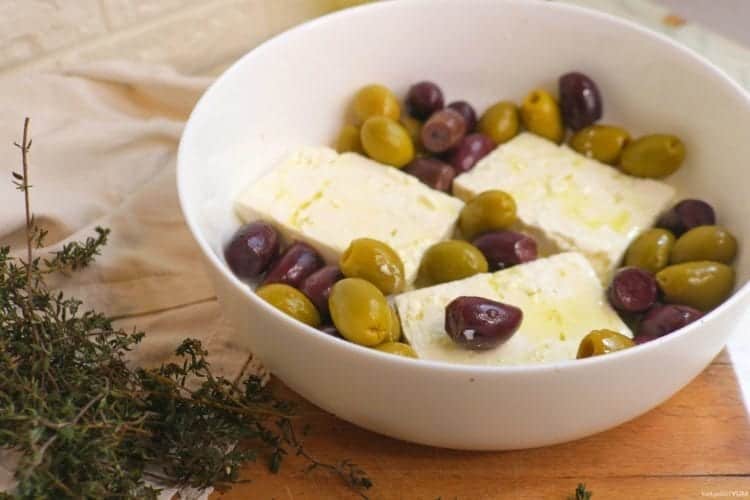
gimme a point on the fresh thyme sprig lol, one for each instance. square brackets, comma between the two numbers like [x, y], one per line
[581, 493]
[74, 255]
[89, 425]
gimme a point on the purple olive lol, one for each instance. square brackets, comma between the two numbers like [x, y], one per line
[686, 215]
[580, 101]
[663, 319]
[298, 262]
[467, 111]
[423, 99]
[443, 130]
[318, 285]
[478, 323]
[633, 290]
[504, 249]
[252, 249]
[470, 150]
[433, 172]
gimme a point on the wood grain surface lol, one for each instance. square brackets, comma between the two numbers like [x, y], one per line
[696, 445]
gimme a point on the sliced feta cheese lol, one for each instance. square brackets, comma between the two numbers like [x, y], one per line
[568, 201]
[328, 200]
[561, 298]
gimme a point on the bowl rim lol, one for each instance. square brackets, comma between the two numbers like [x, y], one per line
[740, 295]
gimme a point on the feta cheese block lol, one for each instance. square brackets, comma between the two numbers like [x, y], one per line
[328, 200]
[561, 298]
[568, 201]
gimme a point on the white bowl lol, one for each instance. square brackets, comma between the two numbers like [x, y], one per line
[293, 90]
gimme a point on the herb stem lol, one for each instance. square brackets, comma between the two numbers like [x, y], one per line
[241, 375]
[25, 146]
[40, 454]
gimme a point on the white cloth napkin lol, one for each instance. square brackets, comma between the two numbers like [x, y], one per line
[103, 153]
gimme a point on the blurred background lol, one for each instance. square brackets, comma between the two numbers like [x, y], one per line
[202, 36]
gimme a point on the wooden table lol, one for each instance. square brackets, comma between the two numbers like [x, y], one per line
[696, 445]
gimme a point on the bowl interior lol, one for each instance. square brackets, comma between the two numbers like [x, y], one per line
[294, 91]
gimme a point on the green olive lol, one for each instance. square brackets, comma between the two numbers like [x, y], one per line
[386, 141]
[654, 156]
[541, 115]
[702, 284]
[395, 330]
[500, 122]
[451, 260]
[397, 348]
[600, 342]
[360, 312]
[375, 262]
[705, 243]
[603, 143]
[349, 141]
[650, 251]
[413, 127]
[376, 100]
[488, 211]
[291, 301]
